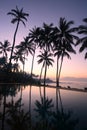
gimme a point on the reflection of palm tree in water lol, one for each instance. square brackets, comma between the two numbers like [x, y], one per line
[43, 110]
[58, 96]
[5, 91]
[4, 111]
[21, 89]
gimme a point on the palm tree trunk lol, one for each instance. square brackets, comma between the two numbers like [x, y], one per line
[41, 72]
[57, 79]
[13, 43]
[45, 81]
[60, 67]
[40, 80]
[32, 64]
[24, 64]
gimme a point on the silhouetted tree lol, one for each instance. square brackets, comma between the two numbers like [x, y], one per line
[46, 59]
[4, 48]
[34, 38]
[82, 29]
[19, 16]
[63, 39]
[26, 47]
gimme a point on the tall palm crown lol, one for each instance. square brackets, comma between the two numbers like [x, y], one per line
[26, 46]
[5, 47]
[19, 16]
[18, 56]
[34, 35]
[45, 35]
[82, 29]
[64, 37]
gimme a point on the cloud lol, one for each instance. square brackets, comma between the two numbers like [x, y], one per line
[74, 79]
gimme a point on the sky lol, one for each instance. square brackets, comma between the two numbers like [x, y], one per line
[48, 11]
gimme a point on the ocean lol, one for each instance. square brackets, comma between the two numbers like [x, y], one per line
[72, 84]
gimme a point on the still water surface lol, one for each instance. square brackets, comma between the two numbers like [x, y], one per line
[71, 100]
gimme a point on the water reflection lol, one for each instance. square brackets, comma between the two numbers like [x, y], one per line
[30, 107]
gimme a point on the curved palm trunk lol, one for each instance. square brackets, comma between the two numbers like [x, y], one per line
[32, 64]
[13, 43]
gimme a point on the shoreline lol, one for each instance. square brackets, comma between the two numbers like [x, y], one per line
[68, 88]
[49, 86]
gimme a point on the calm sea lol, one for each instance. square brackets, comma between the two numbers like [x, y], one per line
[72, 84]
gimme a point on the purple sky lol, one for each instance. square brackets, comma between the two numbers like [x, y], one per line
[48, 11]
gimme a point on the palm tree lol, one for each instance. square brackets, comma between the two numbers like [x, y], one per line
[45, 40]
[15, 67]
[45, 58]
[19, 16]
[26, 47]
[18, 55]
[4, 48]
[3, 62]
[82, 29]
[34, 37]
[64, 39]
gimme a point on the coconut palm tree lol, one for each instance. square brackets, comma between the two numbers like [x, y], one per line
[82, 29]
[19, 56]
[45, 58]
[64, 39]
[45, 40]
[34, 37]
[15, 67]
[4, 48]
[3, 62]
[26, 47]
[19, 16]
